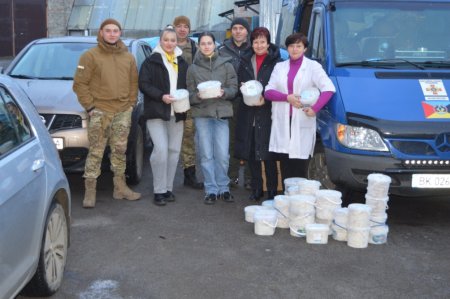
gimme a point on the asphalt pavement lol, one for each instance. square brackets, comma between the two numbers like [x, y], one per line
[188, 249]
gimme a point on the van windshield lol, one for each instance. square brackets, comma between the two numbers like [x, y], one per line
[391, 31]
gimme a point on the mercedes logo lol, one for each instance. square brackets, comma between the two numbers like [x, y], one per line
[443, 142]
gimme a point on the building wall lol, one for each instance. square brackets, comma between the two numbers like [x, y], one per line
[58, 13]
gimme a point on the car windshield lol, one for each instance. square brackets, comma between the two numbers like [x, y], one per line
[392, 33]
[50, 61]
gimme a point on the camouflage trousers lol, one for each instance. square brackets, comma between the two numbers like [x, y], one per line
[188, 147]
[107, 128]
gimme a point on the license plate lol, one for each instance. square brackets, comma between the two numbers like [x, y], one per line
[59, 142]
[431, 180]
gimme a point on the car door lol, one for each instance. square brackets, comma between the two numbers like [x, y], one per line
[22, 194]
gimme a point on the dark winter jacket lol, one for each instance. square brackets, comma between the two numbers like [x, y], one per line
[216, 68]
[229, 49]
[154, 83]
[258, 117]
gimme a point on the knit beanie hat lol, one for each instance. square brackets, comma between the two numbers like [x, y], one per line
[182, 20]
[241, 21]
[110, 21]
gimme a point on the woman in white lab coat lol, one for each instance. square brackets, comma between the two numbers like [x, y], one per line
[293, 132]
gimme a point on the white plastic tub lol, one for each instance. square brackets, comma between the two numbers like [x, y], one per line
[181, 101]
[378, 234]
[358, 237]
[326, 202]
[378, 184]
[339, 233]
[281, 204]
[378, 204]
[251, 210]
[251, 92]
[309, 187]
[309, 96]
[316, 233]
[209, 89]
[265, 222]
[298, 225]
[358, 215]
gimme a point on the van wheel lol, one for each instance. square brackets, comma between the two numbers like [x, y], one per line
[135, 167]
[53, 255]
[317, 169]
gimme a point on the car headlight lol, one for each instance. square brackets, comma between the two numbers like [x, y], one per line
[360, 138]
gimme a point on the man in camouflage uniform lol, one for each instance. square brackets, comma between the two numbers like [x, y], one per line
[106, 83]
[182, 26]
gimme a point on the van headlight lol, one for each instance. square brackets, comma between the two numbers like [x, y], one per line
[360, 138]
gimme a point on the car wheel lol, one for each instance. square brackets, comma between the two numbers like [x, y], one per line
[317, 169]
[136, 165]
[53, 255]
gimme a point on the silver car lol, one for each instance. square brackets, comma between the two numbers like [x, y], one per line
[45, 70]
[34, 200]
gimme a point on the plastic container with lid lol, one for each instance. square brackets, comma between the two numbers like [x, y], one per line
[251, 92]
[209, 89]
[181, 101]
[309, 96]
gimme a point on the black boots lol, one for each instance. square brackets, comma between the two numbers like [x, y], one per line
[271, 194]
[190, 179]
[256, 194]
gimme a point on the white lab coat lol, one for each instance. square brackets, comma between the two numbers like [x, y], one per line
[300, 143]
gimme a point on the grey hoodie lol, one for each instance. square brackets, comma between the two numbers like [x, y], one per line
[216, 68]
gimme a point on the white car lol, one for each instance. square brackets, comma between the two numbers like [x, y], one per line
[35, 201]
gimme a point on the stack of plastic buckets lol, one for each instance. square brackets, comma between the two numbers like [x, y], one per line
[326, 202]
[281, 205]
[301, 213]
[358, 225]
[339, 225]
[377, 198]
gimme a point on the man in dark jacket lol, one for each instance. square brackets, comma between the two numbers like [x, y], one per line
[235, 48]
[182, 26]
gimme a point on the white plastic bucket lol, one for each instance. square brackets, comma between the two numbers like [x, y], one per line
[300, 205]
[295, 181]
[181, 101]
[327, 222]
[265, 222]
[267, 203]
[209, 89]
[309, 187]
[378, 184]
[281, 204]
[358, 237]
[316, 233]
[339, 232]
[326, 202]
[341, 216]
[378, 204]
[292, 190]
[251, 210]
[297, 225]
[378, 218]
[251, 92]
[309, 96]
[378, 234]
[358, 215]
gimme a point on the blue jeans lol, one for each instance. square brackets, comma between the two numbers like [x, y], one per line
[213, 147]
